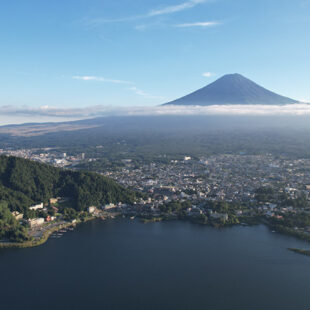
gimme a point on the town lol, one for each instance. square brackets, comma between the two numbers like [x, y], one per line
[252, 185]
[46, 155]
[222, 189]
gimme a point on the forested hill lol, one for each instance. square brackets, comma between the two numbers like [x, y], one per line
[24, 182]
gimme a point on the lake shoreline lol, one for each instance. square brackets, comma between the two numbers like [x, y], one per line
[281, 229]
[44, 238]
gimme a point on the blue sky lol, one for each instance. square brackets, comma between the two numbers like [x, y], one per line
[79, 53]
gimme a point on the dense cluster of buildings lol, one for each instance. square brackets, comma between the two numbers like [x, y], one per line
[226, 178]
[47, 156]
[234, 179]
[37, 221]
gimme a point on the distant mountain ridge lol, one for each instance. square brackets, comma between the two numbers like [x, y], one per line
[232, 89]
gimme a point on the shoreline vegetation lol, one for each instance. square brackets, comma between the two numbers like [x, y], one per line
[300, 251]
[46, 235]
[37, 242]
[247, 222]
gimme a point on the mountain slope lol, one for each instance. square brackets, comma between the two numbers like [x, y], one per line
[24, 182]
[232, 89]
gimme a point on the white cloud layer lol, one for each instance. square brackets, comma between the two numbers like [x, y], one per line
[97, 111]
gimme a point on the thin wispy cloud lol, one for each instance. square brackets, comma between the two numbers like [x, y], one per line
[133, 88]
[93, 22]
[143, 27]
[99, 79]
[207, 74]
[175, 8]
[144, 94]
[198, 24]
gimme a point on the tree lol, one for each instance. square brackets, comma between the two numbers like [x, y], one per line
[9, 227]
[70, 214]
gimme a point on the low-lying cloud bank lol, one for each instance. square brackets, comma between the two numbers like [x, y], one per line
[97, 111]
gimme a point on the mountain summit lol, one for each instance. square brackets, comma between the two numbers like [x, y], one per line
[232, 89]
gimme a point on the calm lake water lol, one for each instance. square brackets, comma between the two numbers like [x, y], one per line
[123, 264]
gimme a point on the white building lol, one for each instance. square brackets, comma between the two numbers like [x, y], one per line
[37, 207]
[91, 209]
[17, 215]
[109, 206]
[36, 222]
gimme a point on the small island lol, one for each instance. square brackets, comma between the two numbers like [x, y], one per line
[300, 251]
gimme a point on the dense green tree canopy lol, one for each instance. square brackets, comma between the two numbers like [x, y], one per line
[9, 227]
[24, 182]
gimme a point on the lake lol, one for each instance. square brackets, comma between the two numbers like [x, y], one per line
[125, 264]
